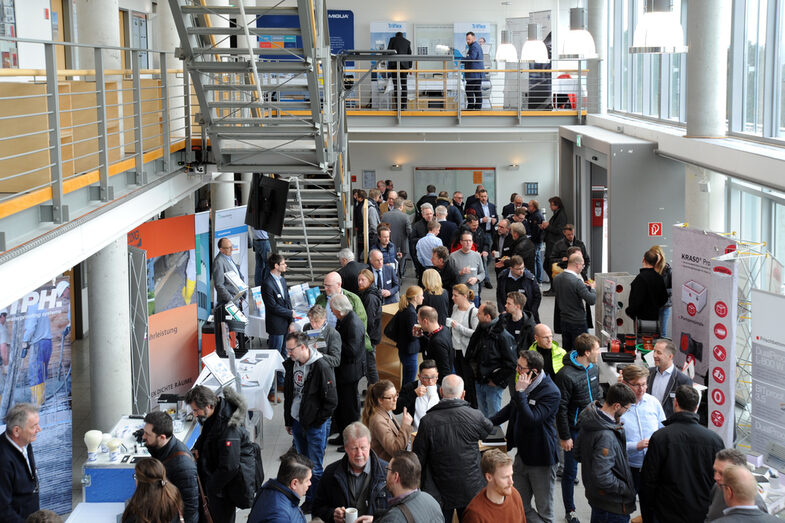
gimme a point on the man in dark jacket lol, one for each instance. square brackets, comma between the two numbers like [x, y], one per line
[518, 321]
[559, 255]
[279, 498]
[349, 372]
[572, 295]
[553, 232]
[664, 377]
[533, 219]
[356, 480]
[429, 197]
[328, 341]
[676, 476]
[349, 270]
[521, 246]
[179, 464]
[414, 396]
[579, 384]
[516, 201]
[18, 473]
[486, 214]
[501, 245]
[517, 278]
[474, 65]
[446, 445]
[403, 482]
[436, 341]
[724, 459]
[400, 45]
[647, 291]
[441, 262]
[602, 450]
[310, 397]
[447, 229]
[534, 402]
[277, 305]
[226, 475]
[491, 356]
[400, 230]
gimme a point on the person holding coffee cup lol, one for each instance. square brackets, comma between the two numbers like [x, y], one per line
[421, 394]
[387, 435]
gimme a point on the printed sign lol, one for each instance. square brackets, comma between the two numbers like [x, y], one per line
[655, 228]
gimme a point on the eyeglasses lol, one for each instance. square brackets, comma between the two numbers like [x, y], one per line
[428, 378]
[521, 369]
[390, 397]
[636, 385]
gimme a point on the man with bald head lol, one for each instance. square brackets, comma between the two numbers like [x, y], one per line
[739, 489]
[550, 350]
[572, 296]
[446, 445]
[723, 460]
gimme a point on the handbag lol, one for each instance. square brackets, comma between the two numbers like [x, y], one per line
[205, 517]
[391, 329]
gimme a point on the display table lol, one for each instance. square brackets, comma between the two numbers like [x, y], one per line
[105, 481]
[96, 513]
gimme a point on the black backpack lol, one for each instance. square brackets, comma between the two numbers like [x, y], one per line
[251, 476]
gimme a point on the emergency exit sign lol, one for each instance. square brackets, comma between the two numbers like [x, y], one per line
[655, 228]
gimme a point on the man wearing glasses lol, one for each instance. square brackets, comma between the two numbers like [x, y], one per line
[572, 295]
[420, 395]
[534, 402]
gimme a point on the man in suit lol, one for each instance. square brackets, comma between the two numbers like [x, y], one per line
[277, 306]
[486, 214]
[572, 295]
[447, 229]
[384, 276]
[559, 254]
[457, 202]
[18, 473]
[349, 270]
[389, 202]
[516, 201]
[222, 265]
[664, 377]
[430, 197]
[501, 244]
[400, 230]
[740, 490]
[400, 45]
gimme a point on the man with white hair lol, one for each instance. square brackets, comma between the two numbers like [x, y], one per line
[389, 203]
[332, 287]
[18, 473]
[448, 229]
[349, 372]
[349, 270]
[420, 230]
[446, 445]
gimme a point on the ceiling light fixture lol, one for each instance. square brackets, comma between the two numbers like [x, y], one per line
[506, 51]
[534, 49]
[579, 44]
[659, 30]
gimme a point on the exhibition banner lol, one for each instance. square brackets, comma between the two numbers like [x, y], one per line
[723, 310]
[172, 309]
[202, 249]
[382, 32]
[35, 345]
[768, 370]
[339, 22]
[230, 223]
[693, 250]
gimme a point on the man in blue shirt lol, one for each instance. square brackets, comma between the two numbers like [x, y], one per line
[473, 64]
[428, 243]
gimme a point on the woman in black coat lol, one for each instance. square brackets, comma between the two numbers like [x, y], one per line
[371, 297]
[405, 320]
[435, 296]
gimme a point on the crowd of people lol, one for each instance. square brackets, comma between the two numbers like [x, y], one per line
[410, 453]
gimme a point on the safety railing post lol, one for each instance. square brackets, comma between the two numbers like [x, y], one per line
[103, 152]
[57, 212]
[189, 151]
[579, 97]
[141, 177]
[165, 128]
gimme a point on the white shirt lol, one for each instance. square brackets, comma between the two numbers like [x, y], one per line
[660, 384]
[641, 420]
[422, 404]
[23, 451]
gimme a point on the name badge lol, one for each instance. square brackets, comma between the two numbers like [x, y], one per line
[532, 402]
[280, 296]
[672, 394]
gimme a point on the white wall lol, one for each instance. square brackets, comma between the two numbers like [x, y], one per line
[31, 23]
[535, 153]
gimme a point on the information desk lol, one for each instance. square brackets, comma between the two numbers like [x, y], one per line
[105, 481]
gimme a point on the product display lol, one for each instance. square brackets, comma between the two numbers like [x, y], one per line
[92, 439]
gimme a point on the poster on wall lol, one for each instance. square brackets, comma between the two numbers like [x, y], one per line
[35, 345]
[693, 250]
[171, 302]
[382, 32]
[8, 50]
[203, 261]
[230, 223]
[485, 34]
[723, 307]
[768, 370]
[339, 22]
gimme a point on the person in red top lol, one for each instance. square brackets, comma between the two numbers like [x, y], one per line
[499, 501]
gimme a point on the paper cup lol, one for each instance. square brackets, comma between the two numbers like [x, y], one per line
[351, 515]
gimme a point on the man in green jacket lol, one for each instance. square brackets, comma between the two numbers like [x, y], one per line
[550, 350]
[332, 287]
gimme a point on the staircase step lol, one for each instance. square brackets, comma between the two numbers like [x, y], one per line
[223, 31]
[281, 107]
[249, 87]
[244, 66]
[261, 133]
[228, 10]
[232, 51]
[278, 122]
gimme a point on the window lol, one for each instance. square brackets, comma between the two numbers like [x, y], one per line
[754, 67]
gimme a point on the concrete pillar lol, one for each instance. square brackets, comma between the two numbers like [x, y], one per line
[110, 334]
[707, 68]
[98, 23]
[245, 188]
[705, 194]
[222, 192]
[597, 79]
[182, 208]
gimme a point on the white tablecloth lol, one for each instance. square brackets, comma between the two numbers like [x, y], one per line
[96, 513]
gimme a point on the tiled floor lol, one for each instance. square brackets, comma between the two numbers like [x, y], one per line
[276, 440]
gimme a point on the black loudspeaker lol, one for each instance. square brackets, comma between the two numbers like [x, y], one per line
[267, 203]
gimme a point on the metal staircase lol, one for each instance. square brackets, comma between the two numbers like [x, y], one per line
[274, 110]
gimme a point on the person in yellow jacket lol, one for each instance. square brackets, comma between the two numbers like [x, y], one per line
[550, 350]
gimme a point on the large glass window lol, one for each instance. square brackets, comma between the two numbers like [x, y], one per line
[754, 65]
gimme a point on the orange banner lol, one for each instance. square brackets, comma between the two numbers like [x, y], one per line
[173, 351]
[161, 237]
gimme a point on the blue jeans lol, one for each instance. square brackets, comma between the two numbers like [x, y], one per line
[262, 250]
[602, 516]
[409, 364]
[538, 262]
[311, 443]
[568, 476]
[570, 331]
[665, 318]
[275, 342]
[489, 399]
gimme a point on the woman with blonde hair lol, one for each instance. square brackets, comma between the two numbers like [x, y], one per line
[387, 435]
[663, 268]
[156, 499]
[405, 320]
[435, 296]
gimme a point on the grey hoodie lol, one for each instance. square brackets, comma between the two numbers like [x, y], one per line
[300, 374]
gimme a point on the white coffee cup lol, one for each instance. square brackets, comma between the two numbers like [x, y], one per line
[431, 391]
[351, 515]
